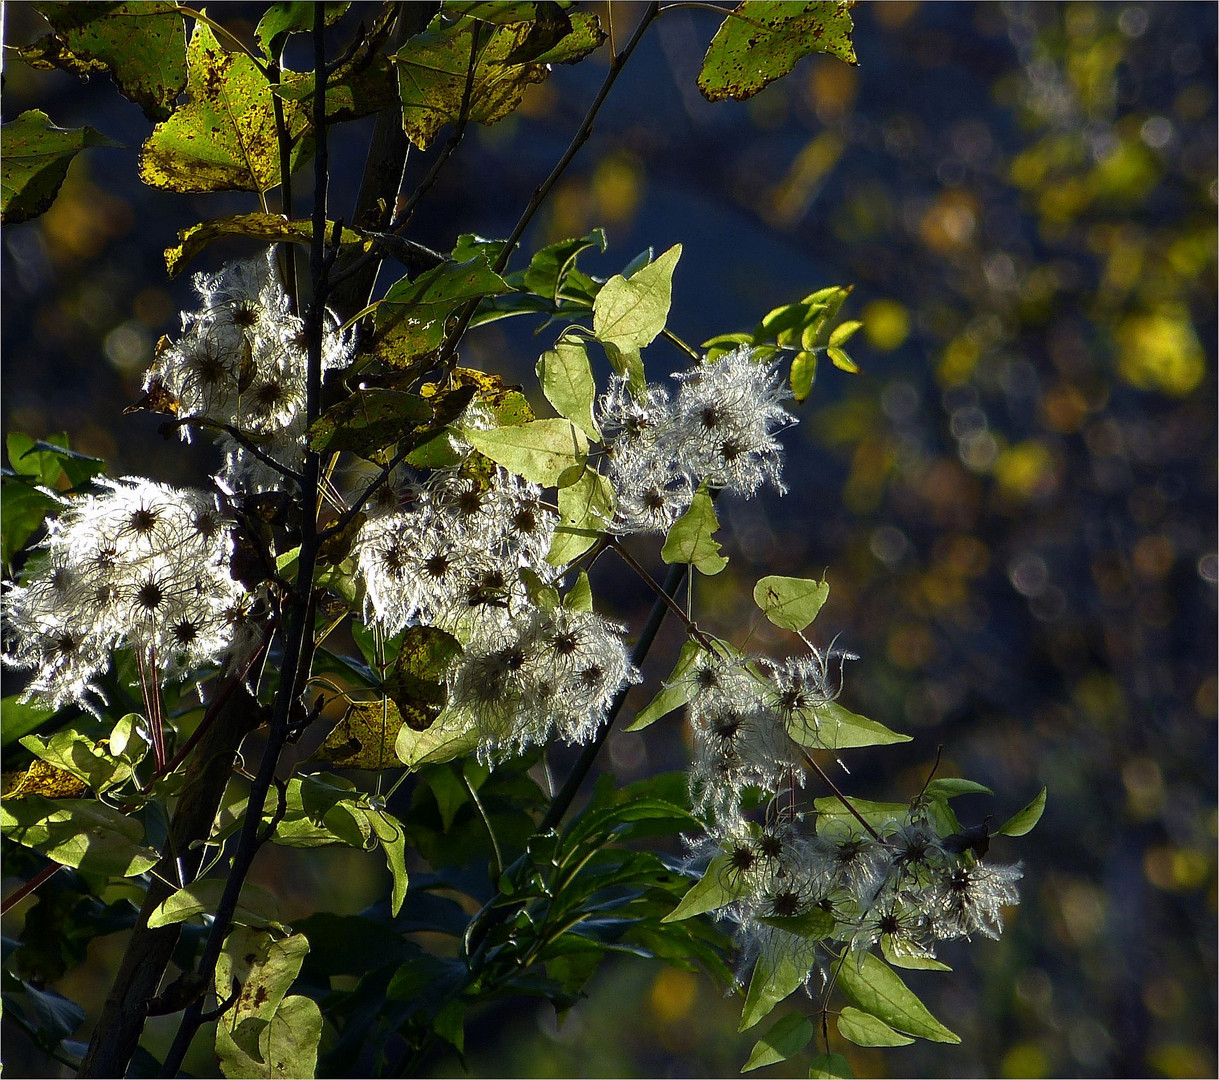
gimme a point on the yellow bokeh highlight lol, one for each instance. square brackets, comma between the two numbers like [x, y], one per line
[1160, 351]
[958, 361]
[886, 324]
[1025, 470]
[1180, 1060]
[617, 187]
[1025, 1059]
[673, 995]
[1177, 869]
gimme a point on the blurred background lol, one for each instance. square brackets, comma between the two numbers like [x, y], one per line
[1014, 503]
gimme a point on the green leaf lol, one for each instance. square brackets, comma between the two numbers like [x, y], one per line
[79, 755]
[580, 596]
[843, 332]
[223, 137]
[863, 1029]
[265, 1033]
[567, 381]
[449, 737]
[541, 451]
[368, 422]
[690, 540]
[81, 833]
[831, 727]
[434, 68]
[790, 602]
[830, 1067]
[676, 691]
[549, 268]
[392, 838]
[842, 361]
[629, 312]
[803, 372]
[18, 718]
[762, 41]
[417, 682]
[787, 1037]
[777, 973]
[256, 904]
[585, 508]
[22, 511]
[266, 228]
[952, 786]
[716, 888]
[142, 44]
[876, 988]
[49, 461]
[34, 159]
[909, 961]
[877, 814]
[813, 925]
[411, 320]
[1024, 820]
[291, 17]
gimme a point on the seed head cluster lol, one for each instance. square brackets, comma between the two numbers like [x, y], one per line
[788, 888]
[455, 555]
[140, 565]
[719, 427]
[241, 361]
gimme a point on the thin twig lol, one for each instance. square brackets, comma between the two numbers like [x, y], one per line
[543, 190]
[36, 882]
[243, 440]
[824, 777]
[295, 655]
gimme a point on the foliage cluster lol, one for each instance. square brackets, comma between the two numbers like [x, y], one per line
[374, 488]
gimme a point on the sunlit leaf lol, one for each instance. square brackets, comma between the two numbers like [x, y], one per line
[265, 228]
[80, 833]
[1024, 820]
[223, 137]
[876, 988]
[411, 320]
[790, 602]
[831, 727]
[690, 539]
[863, 1029]
[717, 887]
[434, 68]
[291, 17]
[676, 691]
[265, 1033]
[567, 381]
[392, 838]
[787, 1037]
[776, 974]
[34, 159]
[762, 41]
[629, 312]
[841, 361]
[585, 508]
[142, 44]
[803, 372]
[256, 904]
[843, 332]
[541, 451]
[830, 1067]
[450, 736]
[42, 778]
